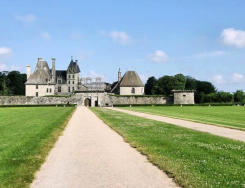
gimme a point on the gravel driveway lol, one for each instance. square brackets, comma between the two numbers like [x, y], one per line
[212, 129]
[90, 154]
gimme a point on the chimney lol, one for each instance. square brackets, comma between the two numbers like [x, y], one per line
[119, 75]
[28, 71]
[53, 70]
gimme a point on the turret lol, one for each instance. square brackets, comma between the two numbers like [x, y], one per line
[28, 71]
[119, 75]
[53, 70]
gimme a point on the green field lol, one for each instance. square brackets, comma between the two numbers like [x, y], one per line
[229, 116]
[26, 136]
[192, 158]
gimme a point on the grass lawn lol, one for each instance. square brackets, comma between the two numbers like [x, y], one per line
[229, 116]
[26, 136]
[192, 158]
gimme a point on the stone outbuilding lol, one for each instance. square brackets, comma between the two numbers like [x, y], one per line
[129, 84]
[183, 96]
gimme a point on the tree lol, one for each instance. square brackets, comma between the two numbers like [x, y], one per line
[166, 84]
[205, 87]
[181, 81]
[191, 83]
[151, 82]
[239, 96]
[16, 82]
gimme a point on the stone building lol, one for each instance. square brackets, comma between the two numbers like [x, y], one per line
[45, 81]
[41, 82]
[129, 84]
[183, 96]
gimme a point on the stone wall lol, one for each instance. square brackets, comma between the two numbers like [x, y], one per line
[120, 100]
[23, 100]
[99, 99]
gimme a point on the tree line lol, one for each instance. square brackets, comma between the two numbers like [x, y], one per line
[12, 83]
[205, 92]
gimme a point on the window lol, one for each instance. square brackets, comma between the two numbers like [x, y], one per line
[133, 90]
[72, 82]
[69, 76]
[36, 94]
[36, 86]
[69, 90]
[50, 90]
[59, 81]
[73, 76]
[47, 90]
[72, 88]
[68, 82]
[59, 89]
[184, 95]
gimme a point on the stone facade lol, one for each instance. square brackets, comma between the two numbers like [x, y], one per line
[183, 97]
[131, 90]
[40, 90]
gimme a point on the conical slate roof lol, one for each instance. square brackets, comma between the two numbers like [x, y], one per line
[41, 75]
[73, 67]
[131, 79]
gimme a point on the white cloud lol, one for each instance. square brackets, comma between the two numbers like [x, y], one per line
[209, 54]
[233, 37]
[75, 36]
[158, 56]
[26, 18]
[85, 55]
[45, 35]
[3, 67]
[238, 78]
[92, 74]
[5, 51]
[218, 79]
[120, 37]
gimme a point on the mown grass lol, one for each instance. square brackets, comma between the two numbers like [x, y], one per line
[192, 158]
[26, 136]
[228, 116]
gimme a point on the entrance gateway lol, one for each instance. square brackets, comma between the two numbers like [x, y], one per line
[87, 102]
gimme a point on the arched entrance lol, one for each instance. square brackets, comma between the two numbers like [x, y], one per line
[87, 102]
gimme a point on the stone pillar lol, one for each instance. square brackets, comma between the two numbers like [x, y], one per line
[119, 75]
[28, 71]
[53, 71]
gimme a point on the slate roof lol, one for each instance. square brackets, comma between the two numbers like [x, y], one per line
[131, 79]
[61, 73]
[41, 75]
[73, 68]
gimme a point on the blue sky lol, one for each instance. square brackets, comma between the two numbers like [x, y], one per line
[203, 39]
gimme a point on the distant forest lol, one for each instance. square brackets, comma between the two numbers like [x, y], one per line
[205, 92]
[12, 83]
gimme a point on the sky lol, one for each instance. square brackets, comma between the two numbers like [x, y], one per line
[204, 39]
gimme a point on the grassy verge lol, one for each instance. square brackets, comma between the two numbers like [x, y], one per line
[228, 116]
[26, 137]
[192, 158]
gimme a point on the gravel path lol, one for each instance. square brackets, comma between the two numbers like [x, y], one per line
[212, 129]
[90, 154]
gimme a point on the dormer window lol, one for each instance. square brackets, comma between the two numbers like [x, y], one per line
[133, 90]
